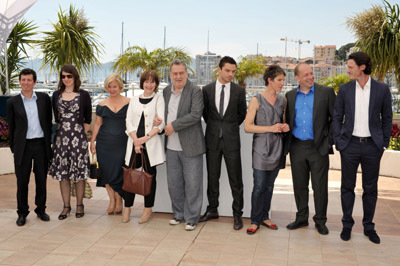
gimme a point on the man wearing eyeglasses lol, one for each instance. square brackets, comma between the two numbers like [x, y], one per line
[29, 119]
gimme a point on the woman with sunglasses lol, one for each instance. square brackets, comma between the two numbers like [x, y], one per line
[73, 113]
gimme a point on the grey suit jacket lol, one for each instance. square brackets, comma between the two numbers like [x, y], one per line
[324, 102]
[188, 121]
[230, 122]
[379, 114]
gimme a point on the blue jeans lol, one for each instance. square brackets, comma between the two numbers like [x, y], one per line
[262, 194]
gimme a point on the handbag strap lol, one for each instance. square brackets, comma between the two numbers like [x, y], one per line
[144, 162]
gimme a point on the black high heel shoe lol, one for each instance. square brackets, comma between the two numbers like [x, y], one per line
[63, 216]
[80, 214]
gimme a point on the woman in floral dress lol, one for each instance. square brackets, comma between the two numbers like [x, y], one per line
[72, 111]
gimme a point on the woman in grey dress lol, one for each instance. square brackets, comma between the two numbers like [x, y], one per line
[265, 118]
[73, 113]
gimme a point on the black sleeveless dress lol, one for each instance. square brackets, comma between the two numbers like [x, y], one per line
[111, 147]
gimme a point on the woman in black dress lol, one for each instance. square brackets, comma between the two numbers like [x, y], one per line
[73, 113]
[109, 134]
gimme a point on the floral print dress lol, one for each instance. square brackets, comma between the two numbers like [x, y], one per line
[71, 155]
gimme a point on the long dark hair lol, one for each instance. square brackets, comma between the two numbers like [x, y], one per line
[68, 68]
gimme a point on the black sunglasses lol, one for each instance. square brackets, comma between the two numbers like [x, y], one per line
[66, 76]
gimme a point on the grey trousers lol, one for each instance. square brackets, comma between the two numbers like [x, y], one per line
[185, 185]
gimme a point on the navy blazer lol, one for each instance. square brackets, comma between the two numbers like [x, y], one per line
[380, 114]
[18, 124]
[233, 117]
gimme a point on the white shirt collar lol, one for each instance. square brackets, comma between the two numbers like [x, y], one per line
[367, 85]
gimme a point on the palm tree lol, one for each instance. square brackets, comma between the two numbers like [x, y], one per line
[335, 81]
[378, 33]
[72, 41]
[19, 37]
[249, 68]
[137, 57]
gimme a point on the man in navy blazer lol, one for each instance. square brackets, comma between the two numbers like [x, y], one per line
[30, 119]
[362, 123]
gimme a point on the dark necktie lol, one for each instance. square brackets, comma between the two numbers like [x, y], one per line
[221, 102]
[221, 108]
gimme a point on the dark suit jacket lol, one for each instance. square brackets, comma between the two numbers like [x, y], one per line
[188, 120]
[18, 124]
[234, 115]
[380, 114]
[324, 101]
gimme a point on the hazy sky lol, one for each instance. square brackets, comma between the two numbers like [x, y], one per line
[235, 26]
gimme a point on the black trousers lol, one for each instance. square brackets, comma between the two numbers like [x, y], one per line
[305, 159]
[149, 199]
[369, 156]
[234, 167]
[35, 151]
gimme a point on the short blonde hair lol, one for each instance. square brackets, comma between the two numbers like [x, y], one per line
[114, 77]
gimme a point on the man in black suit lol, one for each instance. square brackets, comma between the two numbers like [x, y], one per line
[224, 111]
[309, 114]
[362, 124]
[29, 119]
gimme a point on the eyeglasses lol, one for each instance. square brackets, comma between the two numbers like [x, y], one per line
[66, 76]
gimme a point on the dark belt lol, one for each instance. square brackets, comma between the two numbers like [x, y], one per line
[307, 141]
[35, 140]
[361, 139]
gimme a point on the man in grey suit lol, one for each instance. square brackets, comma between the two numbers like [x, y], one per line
[362, 124]
[309, 114]
[185, 146]
[224, 111]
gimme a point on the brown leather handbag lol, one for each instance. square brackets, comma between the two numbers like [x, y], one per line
[137, 181]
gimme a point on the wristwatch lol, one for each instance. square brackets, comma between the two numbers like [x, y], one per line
[148, 136]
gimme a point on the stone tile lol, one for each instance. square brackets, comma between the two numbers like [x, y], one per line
[133, 252]
[269, 262]
[339, 258]
[14, 244]
[200, 258]
[373, 260]
[23, 257]
[304, 256]
[42, 246]
[5, 254]
[55, 260]
[165, 257]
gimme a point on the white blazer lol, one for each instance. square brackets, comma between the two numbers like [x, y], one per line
[154, 146]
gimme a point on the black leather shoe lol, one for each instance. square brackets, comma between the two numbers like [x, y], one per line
[322, 229]
[21, 220]
[373, 236]
[237, 223]
[345, 234]
[296, 225]
[43, 216]
[208, 216]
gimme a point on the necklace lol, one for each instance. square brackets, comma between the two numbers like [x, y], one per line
[68, 91]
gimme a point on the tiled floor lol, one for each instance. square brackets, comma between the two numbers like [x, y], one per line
[99, 239]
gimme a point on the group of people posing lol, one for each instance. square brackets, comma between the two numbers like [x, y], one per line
[304, 123]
